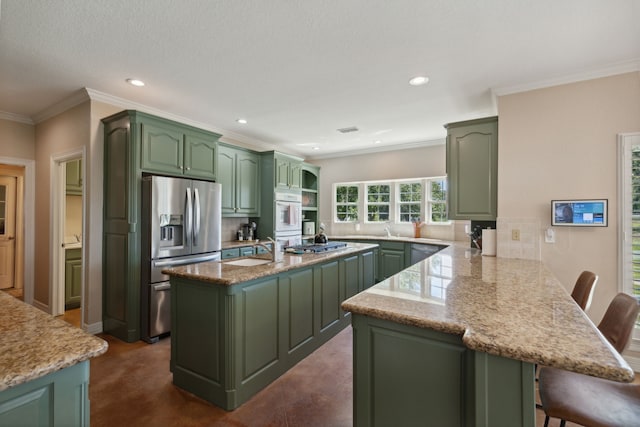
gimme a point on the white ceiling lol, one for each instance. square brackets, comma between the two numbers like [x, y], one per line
[298, 70]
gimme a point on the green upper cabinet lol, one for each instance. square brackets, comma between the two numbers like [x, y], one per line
[239, 175]
[73, 170]
[288, 172]
[472, 169]
[176, 149]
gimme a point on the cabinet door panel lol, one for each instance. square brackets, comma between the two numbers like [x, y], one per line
[300, 308]
[368, 270]
[295, 177]
[282, 173]
[200, 157]
[247, 194]
[392, 262]
[161, 149]
[227, 179]
[329, 295]
[260, 329]
[350, 276]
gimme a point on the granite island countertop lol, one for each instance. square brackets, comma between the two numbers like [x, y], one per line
[223, 273]
[511, 308]
[34, 343]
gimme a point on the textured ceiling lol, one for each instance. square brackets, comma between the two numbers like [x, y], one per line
[299, 70]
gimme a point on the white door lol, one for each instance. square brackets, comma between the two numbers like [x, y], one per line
[7, 230]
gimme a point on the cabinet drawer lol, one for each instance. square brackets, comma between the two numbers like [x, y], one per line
[247, 251]
[230, 253]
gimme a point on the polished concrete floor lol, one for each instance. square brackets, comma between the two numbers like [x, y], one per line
[131, 386]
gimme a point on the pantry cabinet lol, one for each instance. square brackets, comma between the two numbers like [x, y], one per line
[472, 169]
[239, 175]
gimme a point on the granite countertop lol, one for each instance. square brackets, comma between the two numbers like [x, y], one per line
[506, 307]
[222, 273]
[34, 343]
[232, 244]
[405, 239]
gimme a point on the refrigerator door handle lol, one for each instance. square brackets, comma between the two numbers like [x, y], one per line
[189, 215]
[196, 216]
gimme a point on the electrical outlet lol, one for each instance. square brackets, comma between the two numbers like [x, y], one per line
[515, 234]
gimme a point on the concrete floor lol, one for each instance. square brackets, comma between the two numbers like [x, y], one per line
[131, 386]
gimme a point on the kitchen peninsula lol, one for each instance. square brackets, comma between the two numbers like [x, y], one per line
[44, 378]
[453, 340]
[236, 328]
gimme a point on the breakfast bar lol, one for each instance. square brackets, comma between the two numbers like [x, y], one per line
[454, 340]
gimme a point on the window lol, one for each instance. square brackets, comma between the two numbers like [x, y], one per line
[378, 197]
[410, 201]
[438, 200]
[400, 201]
[346, 203]
[629, 227]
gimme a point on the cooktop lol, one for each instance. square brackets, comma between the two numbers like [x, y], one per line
[316, 247]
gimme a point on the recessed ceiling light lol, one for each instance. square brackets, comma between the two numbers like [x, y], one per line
[135, 82]
[377, 142]
[242, 121]
[315, 148]
[418, 80]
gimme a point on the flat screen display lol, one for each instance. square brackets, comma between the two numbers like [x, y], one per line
[579, 213]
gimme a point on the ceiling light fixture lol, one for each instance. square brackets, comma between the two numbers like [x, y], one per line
[135, 82]
[315, 148]
[242, 121]
[377, 142]
[418, 80]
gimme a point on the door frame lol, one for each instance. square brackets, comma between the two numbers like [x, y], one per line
[28, 218]
[57, 251]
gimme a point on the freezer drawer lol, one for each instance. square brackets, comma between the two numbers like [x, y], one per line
[159, 308]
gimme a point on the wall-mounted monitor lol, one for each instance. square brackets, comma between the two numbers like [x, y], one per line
[579, 213]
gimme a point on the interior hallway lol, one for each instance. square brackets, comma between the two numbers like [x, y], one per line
[131, 386]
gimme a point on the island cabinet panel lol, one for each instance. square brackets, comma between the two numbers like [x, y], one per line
[58, 399]
[329, 283]
[405, 375]
[229, 342]
[350, 276]
[299, 286]
[368, 270]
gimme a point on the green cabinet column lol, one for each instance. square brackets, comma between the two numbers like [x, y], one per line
[239, 175]
[472, 169]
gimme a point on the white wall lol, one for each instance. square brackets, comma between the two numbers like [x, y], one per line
[560, 143]
[409, 163]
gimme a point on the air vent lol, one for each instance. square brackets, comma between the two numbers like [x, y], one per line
[349, 129]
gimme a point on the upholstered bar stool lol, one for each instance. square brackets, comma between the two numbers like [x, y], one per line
[592, 401]
[583, 289]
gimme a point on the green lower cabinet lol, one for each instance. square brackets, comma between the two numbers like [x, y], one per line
[247, 251]
[57, 399]
[72, 278]
[229, 342]
[408, 376]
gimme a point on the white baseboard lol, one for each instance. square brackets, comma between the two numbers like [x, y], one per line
[41, 306]
[93, 328]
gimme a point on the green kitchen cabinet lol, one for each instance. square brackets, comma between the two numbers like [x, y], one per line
[247, 251]
[394, 257]
[287, 171]
[406, 375]
[472, 169]
[310, 196]
[230, 253]
[230, 342]
[73, 171]
[239, 175]
[72, 278]
[135, 143]
[175, 149]
[60, 398]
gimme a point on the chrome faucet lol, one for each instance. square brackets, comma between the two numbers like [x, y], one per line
[387, 228]
[274, 250]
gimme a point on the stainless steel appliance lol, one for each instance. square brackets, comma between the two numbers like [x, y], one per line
[181, 225]
[288, 218]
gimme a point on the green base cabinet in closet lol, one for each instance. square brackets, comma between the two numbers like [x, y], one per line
[239, 175]
[472, 169]
[72, 278]
[135, 143]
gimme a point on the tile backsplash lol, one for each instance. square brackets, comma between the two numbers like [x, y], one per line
[527, 232]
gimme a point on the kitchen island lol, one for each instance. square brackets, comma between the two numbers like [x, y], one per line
[44, 367]
[235, 328]
[453, 340]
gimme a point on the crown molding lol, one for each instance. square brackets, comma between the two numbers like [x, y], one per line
[131, 105]
[5, 115]
[360, 152]
[596, 73]
[76, 98]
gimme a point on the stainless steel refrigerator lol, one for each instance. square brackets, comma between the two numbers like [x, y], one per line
[181, 225]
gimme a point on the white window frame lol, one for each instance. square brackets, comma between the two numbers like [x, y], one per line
[389, 204]
[357, 203]
[430, 202]
[625, 143]
[422, 213]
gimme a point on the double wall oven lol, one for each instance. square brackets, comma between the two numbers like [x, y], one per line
[288, 218]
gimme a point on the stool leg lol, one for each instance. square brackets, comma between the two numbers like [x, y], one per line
[546, 421]
[562, 423]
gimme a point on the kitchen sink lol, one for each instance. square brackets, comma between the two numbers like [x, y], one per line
[247, 262]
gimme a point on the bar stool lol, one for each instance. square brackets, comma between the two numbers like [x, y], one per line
[583, 289]
[589, 400]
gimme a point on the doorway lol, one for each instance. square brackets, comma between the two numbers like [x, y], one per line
[12, 230]
[68, 241]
